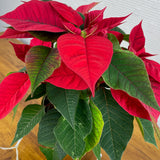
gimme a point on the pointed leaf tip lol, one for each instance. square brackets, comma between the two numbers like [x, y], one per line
[84, 9]
[110, 23]
[31, 115]
[137, 39]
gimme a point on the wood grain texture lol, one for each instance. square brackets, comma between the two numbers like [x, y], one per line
[29, 148]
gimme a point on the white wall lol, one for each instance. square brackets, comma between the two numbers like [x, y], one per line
[146, 10]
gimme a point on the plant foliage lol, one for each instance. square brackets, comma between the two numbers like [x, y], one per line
[91, 86]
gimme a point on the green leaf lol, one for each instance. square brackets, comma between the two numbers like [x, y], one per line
[83, 17]
[123, 51]
[118, 124]
[39, 92]
[64, 100]
[10, 73]
[53, 154]
[127, 72]
[31, 115]
[58, 153]
[83, 118]
[126, 37]
[140, 125]
[94, 137]
[41, 61]
[148, 131]
[97, 152]
[118, 30]
[114, 41]
[48, 152]
[14, 111]
[48, 122]
[21, 70]
[46, 36]
[71, 140]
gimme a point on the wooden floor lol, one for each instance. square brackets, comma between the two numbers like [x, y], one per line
[137, 149]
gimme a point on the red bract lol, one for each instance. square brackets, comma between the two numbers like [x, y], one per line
[96, 25]
[109, 23]
[87, 57]
[21, 50]
[12, 90]
[84, 9]
[137, 40]
[72, 28]
[156, 89]
[130, 104]
[37, 42]
[11, 33]
[153, 69]
[30, 17]
[65, 78]
[94, 17]
[67, 13]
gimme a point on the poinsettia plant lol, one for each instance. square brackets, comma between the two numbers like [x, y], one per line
[91, 86]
